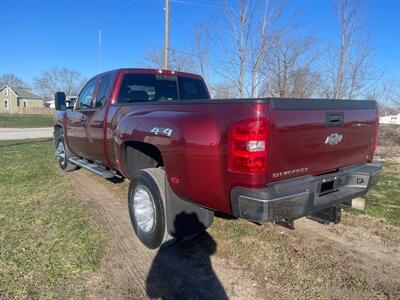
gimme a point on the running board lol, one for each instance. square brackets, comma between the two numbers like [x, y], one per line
[92, 167]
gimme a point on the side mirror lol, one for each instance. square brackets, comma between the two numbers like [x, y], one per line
[60, 101]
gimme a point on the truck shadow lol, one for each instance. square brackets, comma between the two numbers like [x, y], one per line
[183, 270]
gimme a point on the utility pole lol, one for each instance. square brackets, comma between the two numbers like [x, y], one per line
[166, 36]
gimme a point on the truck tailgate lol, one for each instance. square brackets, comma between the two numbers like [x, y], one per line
[311, 137]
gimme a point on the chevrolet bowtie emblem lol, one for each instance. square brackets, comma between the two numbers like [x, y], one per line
[334, 139]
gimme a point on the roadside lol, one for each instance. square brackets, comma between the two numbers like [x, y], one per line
[7, 134]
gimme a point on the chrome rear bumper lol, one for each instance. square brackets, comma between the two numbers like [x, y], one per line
[295, 198]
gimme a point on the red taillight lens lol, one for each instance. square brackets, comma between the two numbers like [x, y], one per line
[166, 72]
[248, 146]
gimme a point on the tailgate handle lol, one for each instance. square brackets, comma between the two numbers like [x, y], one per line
[334, 119]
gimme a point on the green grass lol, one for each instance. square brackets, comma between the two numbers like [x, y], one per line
[25, 121]
[47, 238]
[284, 264]
[383, 200]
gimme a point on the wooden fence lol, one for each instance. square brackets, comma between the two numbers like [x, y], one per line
[34, 110]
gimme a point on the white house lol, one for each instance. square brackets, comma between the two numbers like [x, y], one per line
[50, 104]
[390, 120]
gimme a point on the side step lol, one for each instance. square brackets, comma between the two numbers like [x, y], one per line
[92, 167]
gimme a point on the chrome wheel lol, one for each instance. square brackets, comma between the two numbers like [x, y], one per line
[60, 152]
[143, 208]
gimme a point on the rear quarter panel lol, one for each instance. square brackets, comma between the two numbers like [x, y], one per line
[196, 151]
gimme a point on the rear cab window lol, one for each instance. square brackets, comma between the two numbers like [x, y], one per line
[160, 87]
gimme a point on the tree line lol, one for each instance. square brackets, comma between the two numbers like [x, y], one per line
[261, 50]
[48, 82]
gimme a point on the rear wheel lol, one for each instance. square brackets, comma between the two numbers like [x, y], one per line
[63, 155]
[146, 202]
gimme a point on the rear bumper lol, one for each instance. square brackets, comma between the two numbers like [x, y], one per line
[295, 198]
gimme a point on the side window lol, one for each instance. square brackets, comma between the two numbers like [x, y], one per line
[102, 95]
[86, 95]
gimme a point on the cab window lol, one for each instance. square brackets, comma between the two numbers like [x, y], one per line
[86, 96]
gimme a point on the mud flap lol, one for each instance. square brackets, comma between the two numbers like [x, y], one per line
[185, 218]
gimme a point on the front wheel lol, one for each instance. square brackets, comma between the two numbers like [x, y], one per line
[63, 154]
[146, 201]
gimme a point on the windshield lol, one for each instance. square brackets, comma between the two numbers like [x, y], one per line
[155, 87]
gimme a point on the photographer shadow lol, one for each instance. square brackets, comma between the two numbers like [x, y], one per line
[183, 270]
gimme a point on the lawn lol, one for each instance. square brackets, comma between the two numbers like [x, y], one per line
[25, 121]
[48, 240]
[383, 201]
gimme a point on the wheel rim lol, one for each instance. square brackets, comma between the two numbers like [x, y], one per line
[143, 208]
[60, 152]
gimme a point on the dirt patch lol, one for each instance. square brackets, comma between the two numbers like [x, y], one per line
[388, 154]
[363, 247]
[358, 259]
[389, 135]
[187, 270]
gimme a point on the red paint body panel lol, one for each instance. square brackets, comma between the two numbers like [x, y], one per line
[196, 153]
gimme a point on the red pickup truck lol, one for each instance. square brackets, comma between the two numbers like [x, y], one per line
[188, 156]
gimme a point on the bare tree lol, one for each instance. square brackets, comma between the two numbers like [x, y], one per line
[290, 67]
[223, 90]
[391, 95]
[13, 80]
[244, 42]
[58, 79]
[351, 59]
[177, 60]
[201, 49]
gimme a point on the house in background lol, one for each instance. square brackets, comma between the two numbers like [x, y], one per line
[390, 120]
[11, 98]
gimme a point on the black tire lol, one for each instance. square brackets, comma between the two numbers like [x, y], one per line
[64, 162]
[152, 182]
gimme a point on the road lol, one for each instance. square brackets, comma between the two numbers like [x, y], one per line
[25, 133]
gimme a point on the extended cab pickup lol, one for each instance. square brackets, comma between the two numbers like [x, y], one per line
[188, 156]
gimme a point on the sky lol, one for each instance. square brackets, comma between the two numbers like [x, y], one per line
[40, 34]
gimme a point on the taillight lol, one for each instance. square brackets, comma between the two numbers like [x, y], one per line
[248, 146]
[166, 72]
